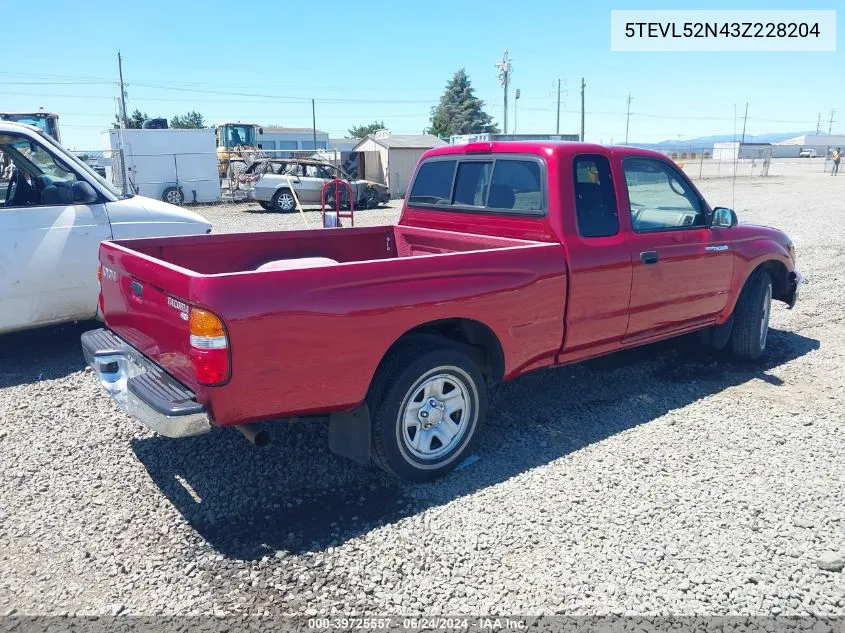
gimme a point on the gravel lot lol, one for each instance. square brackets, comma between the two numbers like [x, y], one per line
[664, 480]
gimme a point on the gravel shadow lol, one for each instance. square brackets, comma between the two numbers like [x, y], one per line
[42, 354]
[295, 496]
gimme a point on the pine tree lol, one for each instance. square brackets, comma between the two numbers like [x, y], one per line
[460, 111]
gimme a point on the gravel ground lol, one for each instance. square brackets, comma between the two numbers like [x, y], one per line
[664, 480]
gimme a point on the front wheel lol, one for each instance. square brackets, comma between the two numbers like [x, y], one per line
[751, 316]
[427, 406]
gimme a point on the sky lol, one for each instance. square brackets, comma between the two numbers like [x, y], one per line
[263, 61]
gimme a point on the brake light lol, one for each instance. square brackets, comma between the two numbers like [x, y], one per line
[209, 347]
[100, 302]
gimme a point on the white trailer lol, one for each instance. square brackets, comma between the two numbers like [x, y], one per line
[173, 165]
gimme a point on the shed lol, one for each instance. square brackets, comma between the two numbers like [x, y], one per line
[391, 158]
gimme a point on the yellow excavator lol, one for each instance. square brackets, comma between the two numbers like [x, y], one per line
[237, 148]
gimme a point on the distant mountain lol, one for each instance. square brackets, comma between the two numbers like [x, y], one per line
[707, 141]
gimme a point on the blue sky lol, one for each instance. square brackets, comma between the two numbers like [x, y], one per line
[264, 60]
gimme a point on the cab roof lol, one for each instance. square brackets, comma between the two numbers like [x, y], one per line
[560, 149]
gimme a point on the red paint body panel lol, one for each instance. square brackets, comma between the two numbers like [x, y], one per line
[309, 340]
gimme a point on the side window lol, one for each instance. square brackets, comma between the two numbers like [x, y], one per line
[661, 199]
[433, 183]
[471, 183]
[31, 176]
[517, 184]
[595, 199]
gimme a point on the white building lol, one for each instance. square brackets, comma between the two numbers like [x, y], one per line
[813, 140]
[392, 158]
[291, 138]
[343, 144]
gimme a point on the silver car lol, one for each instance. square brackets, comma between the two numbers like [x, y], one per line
[270, 182]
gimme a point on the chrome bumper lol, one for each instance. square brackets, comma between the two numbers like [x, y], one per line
[141, 388]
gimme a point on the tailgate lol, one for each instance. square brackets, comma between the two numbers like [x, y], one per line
[145, 302]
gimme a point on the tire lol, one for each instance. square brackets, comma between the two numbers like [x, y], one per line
[173, 195]
[265, 205]
[372, 199]
[331, 203]
[751, 316]
[236, 168]
[283, 201]
[422, 447]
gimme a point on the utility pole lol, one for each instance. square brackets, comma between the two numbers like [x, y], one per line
[505, 70]
[830, 126]
[515, 103]
[314, 123]
[819, 124]
[122, 91]
[744, 121]
[557, 127]
[583, 85]
[628, 118]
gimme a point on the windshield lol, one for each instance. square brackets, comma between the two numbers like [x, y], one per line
[235, 135]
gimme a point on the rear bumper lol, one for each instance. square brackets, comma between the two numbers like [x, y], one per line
[141, 388]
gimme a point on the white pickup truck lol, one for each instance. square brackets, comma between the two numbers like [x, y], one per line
[54, 212]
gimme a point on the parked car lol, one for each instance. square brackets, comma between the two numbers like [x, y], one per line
[808, 153]
[269, 182]
[508, 257]
[54, 212]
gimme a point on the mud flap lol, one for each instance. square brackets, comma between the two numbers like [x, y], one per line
[721, 334]
[349, 434]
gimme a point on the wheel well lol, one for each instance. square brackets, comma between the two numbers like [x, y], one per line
[483, 343]
[780, 278]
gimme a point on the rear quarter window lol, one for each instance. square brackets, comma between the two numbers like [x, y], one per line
[433, 183]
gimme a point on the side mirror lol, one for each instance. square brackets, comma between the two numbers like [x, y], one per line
[83, 193]
[261, 130]
[723, 218]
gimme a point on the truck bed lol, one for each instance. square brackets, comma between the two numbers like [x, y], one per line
[246, 252]
[296, 299]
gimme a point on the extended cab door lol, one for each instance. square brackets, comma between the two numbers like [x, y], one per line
[681, 268]
[48, 243]
[598, 257]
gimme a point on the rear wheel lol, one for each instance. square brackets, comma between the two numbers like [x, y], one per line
[751, 316]
[427, 406]
[283, 201]
[173, 195]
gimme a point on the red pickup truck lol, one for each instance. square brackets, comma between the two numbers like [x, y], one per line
[508, 257]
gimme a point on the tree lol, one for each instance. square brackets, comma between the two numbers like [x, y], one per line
[360, 131]
[190, 120]
[460, 111]
[133, 121]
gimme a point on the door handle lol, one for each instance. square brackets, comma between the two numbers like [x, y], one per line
[649, 257]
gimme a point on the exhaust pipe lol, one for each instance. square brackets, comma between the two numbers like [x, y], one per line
[256, 437]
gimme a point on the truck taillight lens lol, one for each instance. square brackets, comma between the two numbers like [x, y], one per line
[100, 302]
[209, 347]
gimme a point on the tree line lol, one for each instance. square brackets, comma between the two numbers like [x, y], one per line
[192, 120]
[459, 112]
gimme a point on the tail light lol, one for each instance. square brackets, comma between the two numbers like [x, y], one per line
[100, 302]
[209, 347]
